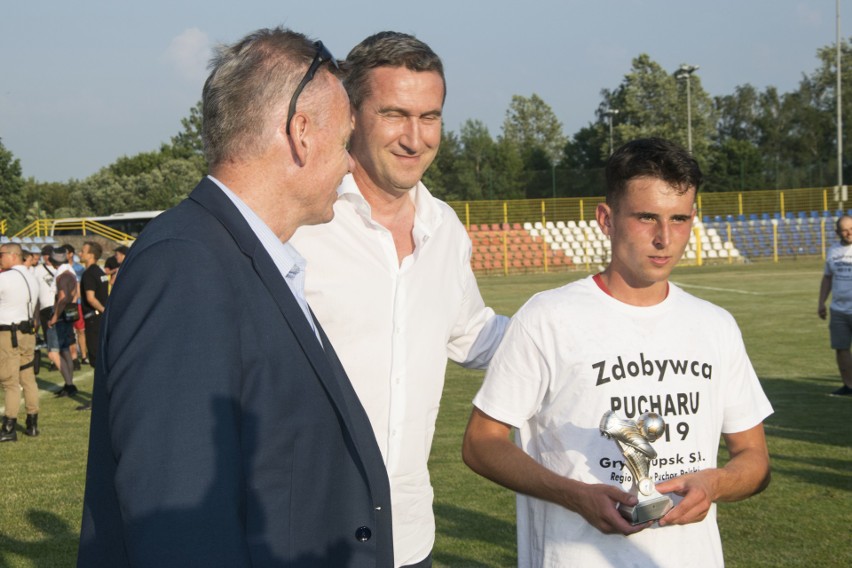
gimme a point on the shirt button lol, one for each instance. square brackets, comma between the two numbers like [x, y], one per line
[363, 534]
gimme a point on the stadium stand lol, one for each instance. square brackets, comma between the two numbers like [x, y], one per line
[802, 233]
[564, 245]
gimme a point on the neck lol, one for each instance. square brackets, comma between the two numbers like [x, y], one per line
[261, 194]
[634, 294]
[384, 202]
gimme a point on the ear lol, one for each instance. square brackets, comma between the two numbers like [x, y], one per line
[603, 215]
[300, 138]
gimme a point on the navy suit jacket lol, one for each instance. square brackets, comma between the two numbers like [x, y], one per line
[223, 434]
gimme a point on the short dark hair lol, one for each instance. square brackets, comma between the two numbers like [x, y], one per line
[653, 158]
[69, 248]
[95, 248]
[387, 49]
[111, 263]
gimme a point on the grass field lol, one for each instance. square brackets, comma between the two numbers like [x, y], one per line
[803, 519]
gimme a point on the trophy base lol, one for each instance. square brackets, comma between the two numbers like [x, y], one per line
[646, 511]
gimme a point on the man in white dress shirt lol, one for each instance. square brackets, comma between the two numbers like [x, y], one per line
[389, 278]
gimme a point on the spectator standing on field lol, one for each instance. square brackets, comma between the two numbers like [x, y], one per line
[46, 275]
[111, 270]
[66, 296]
[18, 301]
[94, 289]
[837, 281]
[79, 353]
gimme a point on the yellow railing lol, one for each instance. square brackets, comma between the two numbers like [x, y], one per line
[44, 227]
[38, 228]
[2, 226]
[709, 204]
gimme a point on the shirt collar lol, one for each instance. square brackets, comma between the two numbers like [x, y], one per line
[427, 214]
[285, 256]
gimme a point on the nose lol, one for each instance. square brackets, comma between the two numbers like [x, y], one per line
[662, 235]
[411, 138]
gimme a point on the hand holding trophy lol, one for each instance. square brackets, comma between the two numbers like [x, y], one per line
[634, 440]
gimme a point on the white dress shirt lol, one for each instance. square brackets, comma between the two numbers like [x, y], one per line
[394, 326]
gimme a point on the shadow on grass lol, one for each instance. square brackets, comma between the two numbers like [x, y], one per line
[56, 537]
[464, 525]
[821, 472]
[805, 412]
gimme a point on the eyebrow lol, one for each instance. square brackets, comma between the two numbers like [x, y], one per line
[402, 111]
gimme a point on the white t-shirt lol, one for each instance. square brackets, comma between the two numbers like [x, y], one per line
[46, 286]
[838, 265]
[18, 295]
[572, 353]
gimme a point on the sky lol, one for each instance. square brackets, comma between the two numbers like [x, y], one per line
[83, 83]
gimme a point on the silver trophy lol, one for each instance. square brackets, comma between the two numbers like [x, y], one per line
[634, 440]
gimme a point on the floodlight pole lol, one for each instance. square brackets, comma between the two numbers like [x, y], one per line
[685, 72]
[609, 113]
[839, 115]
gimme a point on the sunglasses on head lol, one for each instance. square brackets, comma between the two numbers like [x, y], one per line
[322, 55]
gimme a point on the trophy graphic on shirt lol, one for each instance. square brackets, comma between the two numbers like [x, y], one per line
[634, 440]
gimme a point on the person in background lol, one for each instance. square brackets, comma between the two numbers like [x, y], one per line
[62, 320]
[837, 281]
[78, 348]
[111, 269]
[46, 275]
[18, 305]
[120, 252]
[94, 289]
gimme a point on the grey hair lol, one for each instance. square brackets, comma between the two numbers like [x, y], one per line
[249, 89]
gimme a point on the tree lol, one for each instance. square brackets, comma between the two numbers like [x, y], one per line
[188, 143]
[530, 123]
[588, 148]
[738, 115]
[442, 176]
[12, 203]
[489, 169]
[820, 91]
[651, 102]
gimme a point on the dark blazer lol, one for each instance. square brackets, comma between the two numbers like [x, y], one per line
[222, 433]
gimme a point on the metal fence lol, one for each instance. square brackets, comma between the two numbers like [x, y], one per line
[735, 227]
[710, 205]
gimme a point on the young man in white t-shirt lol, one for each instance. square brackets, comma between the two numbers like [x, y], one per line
[624, 340]
[837, 281]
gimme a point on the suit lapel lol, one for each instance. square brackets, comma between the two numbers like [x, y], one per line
[209, 196]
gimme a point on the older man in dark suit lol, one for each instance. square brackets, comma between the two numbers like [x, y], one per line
[224, 429]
